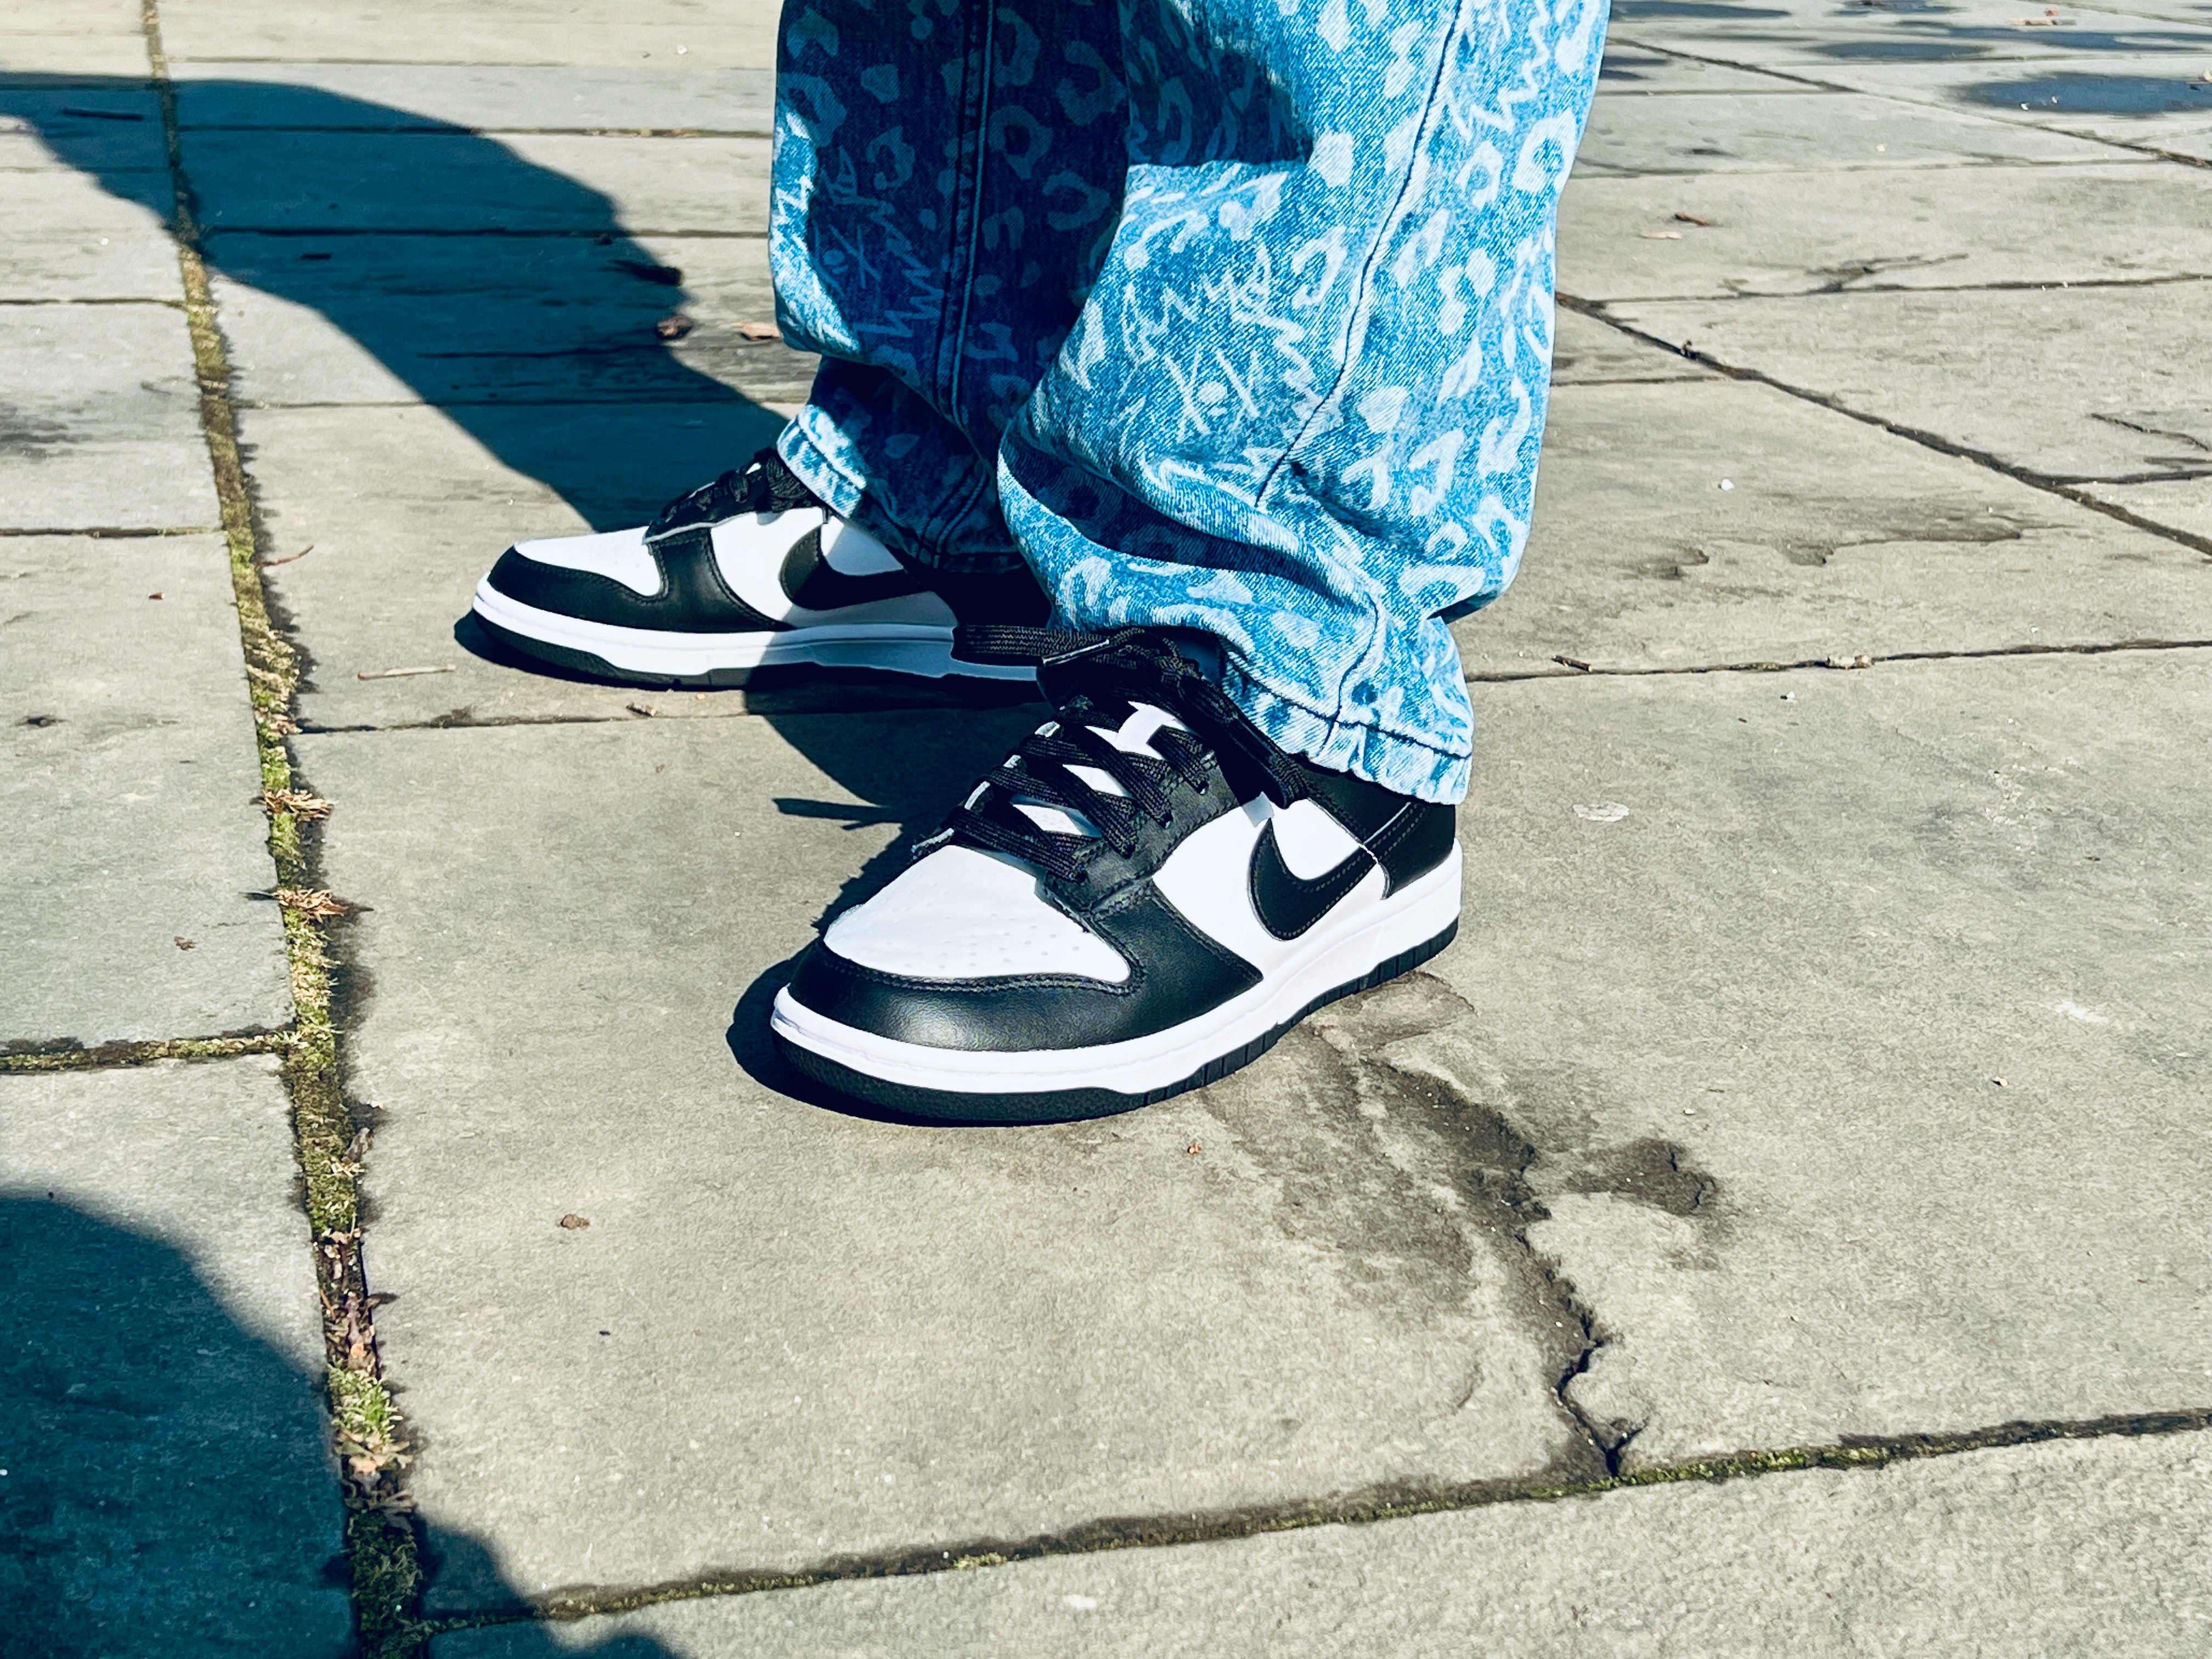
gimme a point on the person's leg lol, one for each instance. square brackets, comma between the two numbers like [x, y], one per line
[1301, 409]
[1298, 414]
[946, 174]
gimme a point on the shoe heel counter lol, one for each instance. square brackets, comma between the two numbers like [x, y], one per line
[1422, 837]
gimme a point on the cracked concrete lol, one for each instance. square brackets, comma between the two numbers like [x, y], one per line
[2080, 1547]
[2123, 401]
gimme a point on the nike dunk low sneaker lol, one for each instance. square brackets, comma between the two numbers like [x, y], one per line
[749, 572]
[1144, 897]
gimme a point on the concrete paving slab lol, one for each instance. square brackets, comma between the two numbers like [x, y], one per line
[65, 37]
[2141, 100]
[104, 129]
[1588, 352]
[407, 507]
[2191, 146]
[476, 97]
[168, 1484]
[712, 36]
[1835, 539]
[508, 320]
[1736, 131]
[1954, 229]
[1630, 72]
[2099, 383]
[2076, 1547]
[76, 239]
[2185, 505]
[135, 840]
[1794, 32]
[789, 1334]
[1911, 966]
[102, 420]
[524, 183]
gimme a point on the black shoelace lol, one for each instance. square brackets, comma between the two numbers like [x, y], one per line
[763, 484]
[1096, 680]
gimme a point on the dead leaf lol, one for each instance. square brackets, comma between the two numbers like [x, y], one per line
[1692, 219]
[298, 802]
[314, 902]
[573, 1222]
[639, 708]
[674, 327]
[1193, 1149]
[184, 944]
[758, 331]
[152, 596]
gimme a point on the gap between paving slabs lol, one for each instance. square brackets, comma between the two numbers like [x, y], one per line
[1600, 312]
[380, 1542]
[1865, 1454]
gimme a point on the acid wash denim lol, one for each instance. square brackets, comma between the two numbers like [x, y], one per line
[1231, 315]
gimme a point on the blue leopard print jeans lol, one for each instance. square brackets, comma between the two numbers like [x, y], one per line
[1231, 315]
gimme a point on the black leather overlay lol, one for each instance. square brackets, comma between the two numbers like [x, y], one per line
[1175, 974]
[812, 583]
[1407, 837]
[1414, 842]
[1289, 905]
[693, 597]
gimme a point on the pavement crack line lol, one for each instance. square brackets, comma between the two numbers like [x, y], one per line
[21, 1059]
[2048, 483]
[369, 1439]
[2150, 151]
[1866, 1453]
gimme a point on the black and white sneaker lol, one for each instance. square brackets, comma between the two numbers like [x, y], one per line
[749, 572]
[1143, 898]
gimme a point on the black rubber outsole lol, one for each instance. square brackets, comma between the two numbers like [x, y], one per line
[1071, 1105]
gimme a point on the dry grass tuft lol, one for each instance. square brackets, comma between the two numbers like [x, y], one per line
[315, 903]
[299, 803]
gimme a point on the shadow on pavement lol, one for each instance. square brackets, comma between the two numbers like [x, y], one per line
[2064, 91]
[533, 339]
[165, 1479]
[539, 340]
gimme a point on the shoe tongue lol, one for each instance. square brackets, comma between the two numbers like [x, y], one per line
[766, 485]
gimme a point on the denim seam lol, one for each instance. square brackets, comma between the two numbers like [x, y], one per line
[1362, 306]
[957, 505]
[951, 375]
[1340, 720]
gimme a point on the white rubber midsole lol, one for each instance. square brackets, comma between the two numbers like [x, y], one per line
[1342, 949]
[918, 648]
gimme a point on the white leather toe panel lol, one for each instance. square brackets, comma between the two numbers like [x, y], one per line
[961, 913]
[619, 554]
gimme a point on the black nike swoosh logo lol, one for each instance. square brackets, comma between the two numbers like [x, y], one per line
[812, 583]
[1287, 904]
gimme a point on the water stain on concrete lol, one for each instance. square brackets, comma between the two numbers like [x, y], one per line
[1398, 1149]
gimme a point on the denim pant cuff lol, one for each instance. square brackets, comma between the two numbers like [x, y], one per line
[844, 495]
[1393, 760]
